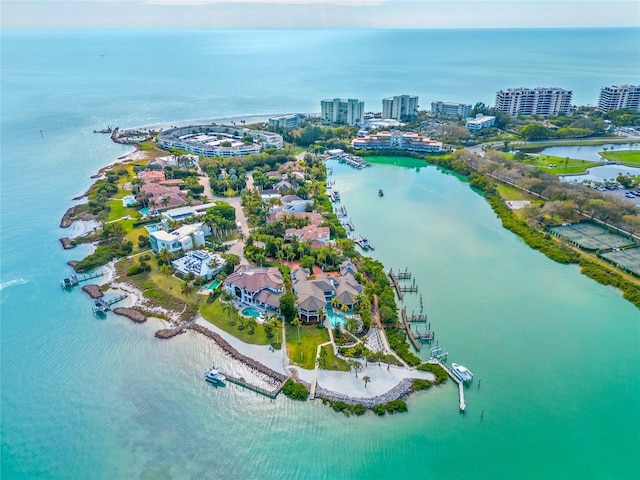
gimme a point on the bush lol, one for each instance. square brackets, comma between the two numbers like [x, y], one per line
[441, 375]
[105, 252]
[294, 390]
[379, 409]
[419, 384]
[397, 341]
[135, 269]
[396, 406]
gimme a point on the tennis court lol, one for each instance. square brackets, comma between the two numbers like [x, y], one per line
[628, 258]
[590, 236]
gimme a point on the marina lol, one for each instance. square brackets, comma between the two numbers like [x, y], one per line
[351, 160]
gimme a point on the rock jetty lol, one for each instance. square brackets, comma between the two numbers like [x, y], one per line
[132, 314]
[401, 390]
[166, 333]
[94, 291]
[277, 378]
[66, 243]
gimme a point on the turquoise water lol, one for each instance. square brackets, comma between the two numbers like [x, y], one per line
[337, 318]
[213, 285]
[144, 211]
[557, 353]
[250, 312]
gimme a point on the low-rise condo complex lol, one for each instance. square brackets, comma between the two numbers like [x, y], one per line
[218, 140]
[480, 122]
[397, 140]
[450, 109]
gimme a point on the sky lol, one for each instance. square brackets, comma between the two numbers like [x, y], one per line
[318, 13]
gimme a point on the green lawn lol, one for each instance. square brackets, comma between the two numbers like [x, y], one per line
[630, 158]
[544, 162]
[214, 313]
[118, 210]
[507, 192]
[334, 362]
[304, 353]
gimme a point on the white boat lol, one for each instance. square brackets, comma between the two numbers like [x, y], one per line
[463, 373]
[212, 374]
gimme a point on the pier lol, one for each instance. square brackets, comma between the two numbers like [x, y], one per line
[101, 305]
[463, 405]
[254, 388]
[352, 160]
[409, 288]
[74, 280]
[407, 327]
[418, 316]
[342, 211]
[404, 274]
[394, 281]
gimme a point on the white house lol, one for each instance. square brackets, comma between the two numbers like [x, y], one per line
[293, 203]
[200, 262]
[184, 238]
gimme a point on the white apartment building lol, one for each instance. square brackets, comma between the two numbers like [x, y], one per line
[339, 110]
[480, 122]
[534, 101]
[400, 107]
[619, 97]
[450, 109]
[286, 121]
[397, 140]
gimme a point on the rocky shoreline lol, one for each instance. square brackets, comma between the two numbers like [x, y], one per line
[274, 377]
[167, 333]
[132, 314]
[94, 291]
[401, 390]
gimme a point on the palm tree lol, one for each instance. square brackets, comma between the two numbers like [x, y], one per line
[366, 379]
[165, 256]
[296, 321]
[187, 289]
[251, 324]
[165, 201]
[152, 203]
[165, 270]
[228, 308]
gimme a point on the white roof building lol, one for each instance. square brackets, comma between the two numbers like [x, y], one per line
[199, 262]
[184, 238]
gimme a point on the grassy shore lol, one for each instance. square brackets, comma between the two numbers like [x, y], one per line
[563, 166]
[630, 158]
[303, 354]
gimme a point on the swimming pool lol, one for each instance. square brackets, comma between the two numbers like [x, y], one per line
[337, 318]
[250, 312]
[213, 285]
[144, 211]
[152, 228]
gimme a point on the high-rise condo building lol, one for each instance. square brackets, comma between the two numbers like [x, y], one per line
[400, 107]
[534, 101]
[449, 109]
[619, 97]
[339, 110]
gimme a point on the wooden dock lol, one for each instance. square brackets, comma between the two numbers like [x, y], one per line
[74, 280]
[463, 405]
[394, 281]
[254, 388]
[418, 316]
[101, 305]
[404, 274]
[407, 327]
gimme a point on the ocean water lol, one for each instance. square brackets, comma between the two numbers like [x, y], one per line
[85, 398]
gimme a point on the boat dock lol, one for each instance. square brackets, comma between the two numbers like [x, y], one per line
[463, 405]
[407, 327]
[254, 388]
[353, 160]
[74, 280]
[418, 316]
[101, 305]
[404, 274]
[394, 281]
[334, 196]
[349, 225]
[342, 211]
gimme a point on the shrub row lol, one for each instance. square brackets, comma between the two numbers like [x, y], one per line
[605, 276]
[394, 406]
[437, 370]
[397, 341]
